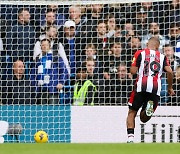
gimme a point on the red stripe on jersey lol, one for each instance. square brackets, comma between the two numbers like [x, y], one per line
[155, 78]
[131, 100]
[144, 83]
[135, 57]
[145, 70]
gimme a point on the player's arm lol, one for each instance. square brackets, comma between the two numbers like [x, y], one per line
[135, 62]
[169, 72]
[169, 79]
[133, 70]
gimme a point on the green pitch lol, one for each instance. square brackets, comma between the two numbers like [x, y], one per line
[60, 148]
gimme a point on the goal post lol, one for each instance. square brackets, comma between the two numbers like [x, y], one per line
[60, 56]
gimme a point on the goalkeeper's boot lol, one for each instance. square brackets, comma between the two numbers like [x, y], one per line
[149, 108]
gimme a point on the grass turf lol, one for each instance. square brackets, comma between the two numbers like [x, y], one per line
[61, 148]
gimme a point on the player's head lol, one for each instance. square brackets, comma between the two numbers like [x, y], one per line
[153, 43]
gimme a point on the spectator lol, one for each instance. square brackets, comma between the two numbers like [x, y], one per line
[96, 79]
[118, 33]
[76, 16]
[111, 24]
[21, 38]
[113, 60]
[134, 44]
[84, 89]
[128, 26]
[120, 87]
[94, 14]
[141, 22]
[149, 8]
[90, 51]
[173, 13]
[175, 100]
[154, 31]
[90, 67]
[173, 59]
[123, 11]
[56, 46]
[48, 76]
[99, 38]
[169, 13]
[73, 45]
[15, 88]
[60, 18]
[174, 33]
[128, 31]
[52, 17]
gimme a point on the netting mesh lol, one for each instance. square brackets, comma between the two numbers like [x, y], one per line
[49, 52]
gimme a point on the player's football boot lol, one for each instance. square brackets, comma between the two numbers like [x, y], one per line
[130, 142]
[149, 108]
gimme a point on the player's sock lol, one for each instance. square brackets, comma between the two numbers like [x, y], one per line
[149, 108]
[130, 132]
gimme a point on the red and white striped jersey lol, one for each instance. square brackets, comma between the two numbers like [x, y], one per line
[150, 65]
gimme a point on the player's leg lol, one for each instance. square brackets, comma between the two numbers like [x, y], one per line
[131, 124]
[144, 118]
[134, 105]
[149, 107]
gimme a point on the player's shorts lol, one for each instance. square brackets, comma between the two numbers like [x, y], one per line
[140, 99]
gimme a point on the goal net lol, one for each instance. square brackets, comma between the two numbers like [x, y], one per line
[63, 53]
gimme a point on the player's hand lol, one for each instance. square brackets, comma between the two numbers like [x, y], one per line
[171, 92]
[59, 86]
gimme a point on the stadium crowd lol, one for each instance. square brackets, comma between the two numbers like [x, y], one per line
[81, 54]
